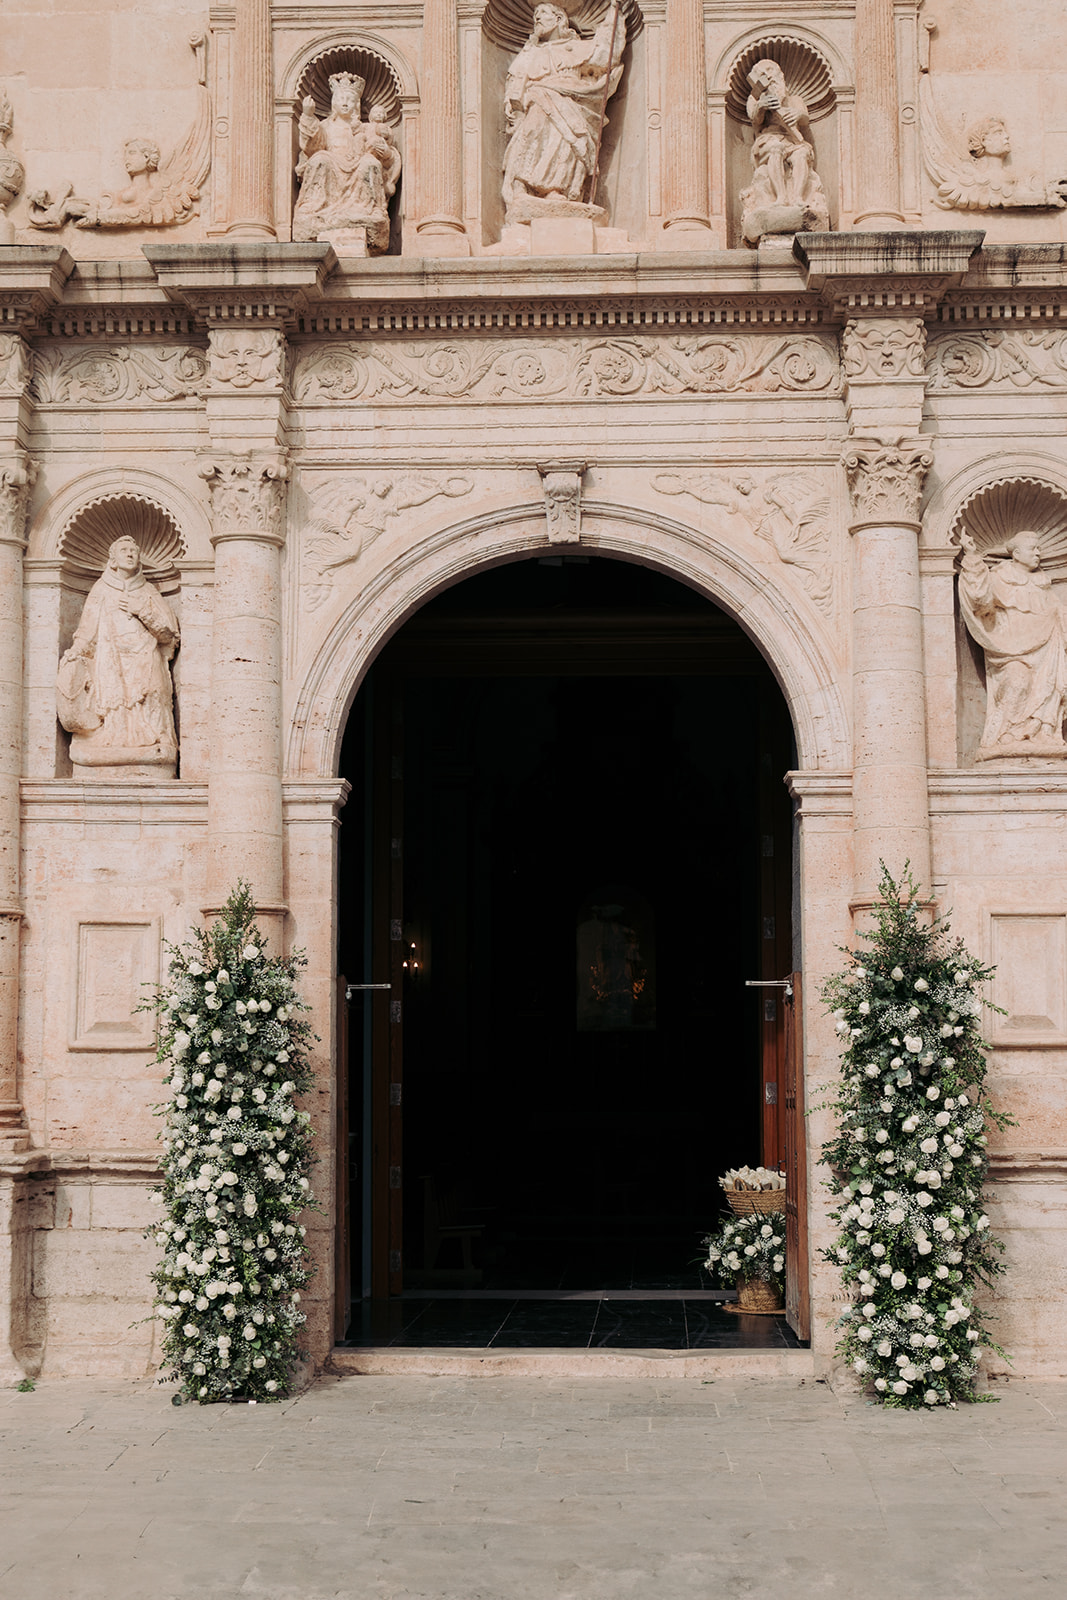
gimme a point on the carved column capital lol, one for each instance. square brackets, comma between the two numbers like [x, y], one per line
[247, 495]
[885, 480]
[18, 473]
[246, 359]
[562, 485]
[881, 349]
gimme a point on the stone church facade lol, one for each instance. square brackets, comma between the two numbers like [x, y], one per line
[329, 308]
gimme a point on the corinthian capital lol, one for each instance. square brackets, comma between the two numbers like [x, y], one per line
[17, 476]
[885, 480]
[247, 495]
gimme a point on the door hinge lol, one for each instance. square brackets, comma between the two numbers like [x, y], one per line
[396, 1094]
[770, 1094]
[394, 1177]
[394, 1261]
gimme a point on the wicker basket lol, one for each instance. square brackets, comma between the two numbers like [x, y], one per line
[743, 1202]
[755, 1295]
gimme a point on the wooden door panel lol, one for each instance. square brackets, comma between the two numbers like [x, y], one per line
[797, 1300]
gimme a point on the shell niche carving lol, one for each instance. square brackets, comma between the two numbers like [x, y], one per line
[993, 514]
[89, 534]
[807, 74]
[381, 87]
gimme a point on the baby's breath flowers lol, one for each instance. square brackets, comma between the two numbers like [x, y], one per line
[909, 1158]
[749, 1247]
[236, 1157]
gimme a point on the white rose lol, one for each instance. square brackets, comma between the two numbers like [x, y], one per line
[898, 1280]
[913, 1042]
[896, 974]
[250, 953]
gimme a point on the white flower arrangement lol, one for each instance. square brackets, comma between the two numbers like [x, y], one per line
[236, 1156]
[764, 1179]
[909, 1158]
[748, 1247]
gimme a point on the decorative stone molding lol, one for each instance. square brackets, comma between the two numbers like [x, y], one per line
[18, 473]
[790, 511]
[16, 364]
[994, 513]
[121, 373]
[770, 313]
[247, 495]
[87, 537]
[576, 368]
[991, 358]
[348, 514]
[805, 69]
[877, 349]
[561, 482]
[885, 480]
[381, 85]
[868, 274]
[246, 358]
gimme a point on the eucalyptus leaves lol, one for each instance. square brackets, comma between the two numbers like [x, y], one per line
[909, 1159]
[235, 1165]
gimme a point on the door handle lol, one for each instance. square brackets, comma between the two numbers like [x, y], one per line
[785, 984]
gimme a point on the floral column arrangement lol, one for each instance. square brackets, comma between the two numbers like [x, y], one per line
[909, 1159]
[235, 1168]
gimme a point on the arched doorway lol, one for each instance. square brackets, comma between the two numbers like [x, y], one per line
[567, 849]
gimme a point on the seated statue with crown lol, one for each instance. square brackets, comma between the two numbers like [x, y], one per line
[348, 171]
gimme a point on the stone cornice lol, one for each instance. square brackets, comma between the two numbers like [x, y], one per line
[32, 280]
[1027, 1166]
[876, 274]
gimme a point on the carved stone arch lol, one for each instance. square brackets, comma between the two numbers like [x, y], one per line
[88, 536]
[509, 23]
[798, 655]
[76, 516]
[349, 50]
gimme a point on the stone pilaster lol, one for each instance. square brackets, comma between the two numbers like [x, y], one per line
[17, 473]
[877, 130]
[252, 123]
[439, 226]
[685, 144]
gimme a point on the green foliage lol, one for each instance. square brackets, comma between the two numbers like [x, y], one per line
[749, 1247]
[909, 1156]
[26, 1386]
[237, 1154]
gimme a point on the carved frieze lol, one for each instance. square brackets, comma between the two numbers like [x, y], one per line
[246, 358]
[885, 480]
[247, 494]
[580, 369]
[996, 359]
[120, 373]
[881, 348]
[18, 473]
[349, 513]
[789, 512]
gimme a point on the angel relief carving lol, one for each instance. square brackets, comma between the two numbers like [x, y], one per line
[971, 170]
[790, 511]
[347, 516]
[162, 191]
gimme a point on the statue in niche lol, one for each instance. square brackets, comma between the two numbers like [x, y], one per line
[971, 174]
[555, 96]
[114, 692]
[161, 192]
[786, 193]
[348, 170]
[12, 172]
[1011, 611]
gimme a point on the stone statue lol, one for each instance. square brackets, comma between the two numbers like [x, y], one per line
[1011, 611]
[12, 172]
[786, 193]
[554, 98]
[971, 175]
[161, 193]
[348, 171]
[114, 690]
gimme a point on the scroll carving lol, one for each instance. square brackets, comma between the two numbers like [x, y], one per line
[880, 348]
[18, 474]
[246, 358]
[107, 377]
[1029, 358]
[247, 495]
[584, 368]
[885, 480]
[347, 516]
[790, 512]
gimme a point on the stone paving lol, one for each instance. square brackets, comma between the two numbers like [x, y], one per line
[417, 1488]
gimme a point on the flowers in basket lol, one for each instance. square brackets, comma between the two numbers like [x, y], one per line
[746, 1249]
[763, 1179]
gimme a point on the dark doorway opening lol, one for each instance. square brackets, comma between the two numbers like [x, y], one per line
[567, 848]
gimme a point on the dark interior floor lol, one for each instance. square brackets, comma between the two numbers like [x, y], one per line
[491, 1321]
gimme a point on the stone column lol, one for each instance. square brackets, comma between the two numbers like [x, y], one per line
[252, 123]
[685, 145]
[889, 794]
[439, 227]
[16, 476]
[246, 472]
[877, 131]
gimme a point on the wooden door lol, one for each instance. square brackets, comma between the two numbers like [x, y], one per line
[797, 1300]
[387, 1069]
[342, 1179]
